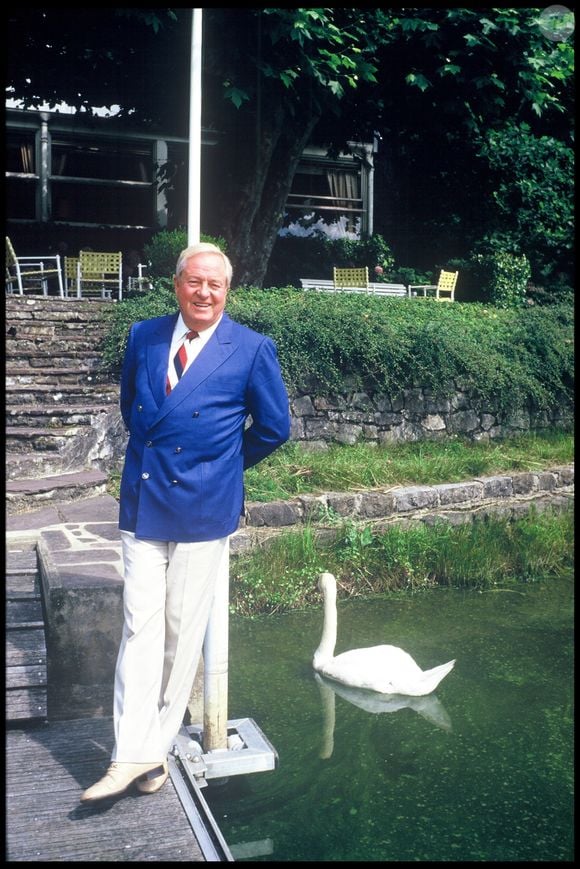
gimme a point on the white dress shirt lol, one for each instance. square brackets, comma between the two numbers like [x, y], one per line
[195, 346]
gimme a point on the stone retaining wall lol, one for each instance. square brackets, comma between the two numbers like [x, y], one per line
[508, 495]
[417, 414]
[354, 417]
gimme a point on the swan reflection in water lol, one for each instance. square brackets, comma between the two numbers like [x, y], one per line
[428, 707]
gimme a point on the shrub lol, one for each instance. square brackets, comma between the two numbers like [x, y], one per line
[504, 278]
[507, 358]
[406, 275]
[164, 248]
[494, 276]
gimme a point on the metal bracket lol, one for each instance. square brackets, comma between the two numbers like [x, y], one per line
[248, 751]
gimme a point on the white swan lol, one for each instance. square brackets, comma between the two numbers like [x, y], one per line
[386, 669]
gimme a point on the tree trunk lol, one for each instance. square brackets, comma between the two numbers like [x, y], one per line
[259, 183]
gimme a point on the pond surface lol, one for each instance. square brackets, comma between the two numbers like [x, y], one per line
[479, 771]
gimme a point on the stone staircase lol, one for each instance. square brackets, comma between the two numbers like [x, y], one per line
[62, 422]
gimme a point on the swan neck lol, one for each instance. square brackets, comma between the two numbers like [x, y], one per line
[325, 650]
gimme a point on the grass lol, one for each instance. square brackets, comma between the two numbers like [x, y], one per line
[493, 554]
[296, 470]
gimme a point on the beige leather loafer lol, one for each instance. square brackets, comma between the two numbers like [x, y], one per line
[152, 781]
[118, 778]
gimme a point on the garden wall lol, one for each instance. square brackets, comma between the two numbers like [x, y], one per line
[416, 414]
[351, 417]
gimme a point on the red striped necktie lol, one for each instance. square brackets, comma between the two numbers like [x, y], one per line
[179, 362]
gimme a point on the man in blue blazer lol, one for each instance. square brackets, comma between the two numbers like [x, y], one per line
[203, 399]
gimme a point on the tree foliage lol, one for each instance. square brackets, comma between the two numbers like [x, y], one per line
[448, 90]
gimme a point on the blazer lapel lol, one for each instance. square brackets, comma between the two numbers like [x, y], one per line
[157, 358]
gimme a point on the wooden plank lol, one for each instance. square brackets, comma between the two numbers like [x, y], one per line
[26, 676]
[24, 613]
[25, 646]
[26, 559]
[26, 704]
[46, 822]
[22, 585]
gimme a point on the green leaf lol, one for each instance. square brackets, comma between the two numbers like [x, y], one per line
[287, 77]
[236, 96]
[418, 80]
[449, 69]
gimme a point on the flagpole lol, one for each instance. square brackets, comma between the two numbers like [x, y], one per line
[194, 180]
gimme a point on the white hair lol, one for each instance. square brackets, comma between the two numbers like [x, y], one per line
[203, 247]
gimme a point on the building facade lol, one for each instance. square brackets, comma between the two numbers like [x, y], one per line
[75, 181]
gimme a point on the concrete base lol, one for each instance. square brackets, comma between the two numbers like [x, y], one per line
[79, 549]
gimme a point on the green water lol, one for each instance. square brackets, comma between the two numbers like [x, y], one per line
[482, 771]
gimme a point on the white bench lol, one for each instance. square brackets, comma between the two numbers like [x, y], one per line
[374, 288]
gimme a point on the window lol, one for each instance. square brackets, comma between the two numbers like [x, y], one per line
[116, 162]
[21, 177]
[20, 153]
[106, 184]
[326, 189]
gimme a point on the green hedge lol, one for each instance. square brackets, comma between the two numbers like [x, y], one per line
[509, 358]
[164, 248]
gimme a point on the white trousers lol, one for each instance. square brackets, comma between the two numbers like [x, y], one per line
[167, 598]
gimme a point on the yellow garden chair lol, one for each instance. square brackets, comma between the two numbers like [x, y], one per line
[100, 273]
[444, 288]
[349, 278]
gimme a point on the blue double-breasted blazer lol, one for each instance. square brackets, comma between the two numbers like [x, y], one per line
[187, 451]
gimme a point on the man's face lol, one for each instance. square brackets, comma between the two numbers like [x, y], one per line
[201, 289]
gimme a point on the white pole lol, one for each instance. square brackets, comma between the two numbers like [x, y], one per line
[215, 648]
[193, 206]
[215, 657]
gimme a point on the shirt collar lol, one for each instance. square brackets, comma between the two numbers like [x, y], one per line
[181, 329]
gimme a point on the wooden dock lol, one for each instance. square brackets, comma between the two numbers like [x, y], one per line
[50, 763]
[26, 663]
[48, 767]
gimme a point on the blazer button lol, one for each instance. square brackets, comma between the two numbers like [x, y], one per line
[195, 413]
[175, 482]
[139, 407]
[148, 443]
[145, 476]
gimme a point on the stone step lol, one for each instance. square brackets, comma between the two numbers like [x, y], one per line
[85, 375]
[48, 304]
[24, 495]
[25, 465]
[21, 324]
[44, 343]
[20, 396]
[41, 313]
[53, 349]
[37, 359]
[59, 400]
[53, 416]
[24, 439]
